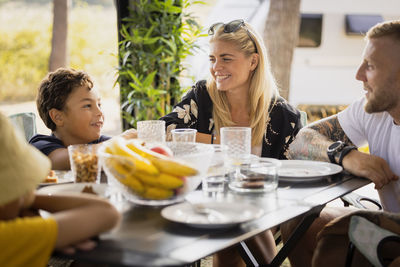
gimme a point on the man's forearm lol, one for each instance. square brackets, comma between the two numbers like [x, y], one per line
[309, 144]
[312, 141]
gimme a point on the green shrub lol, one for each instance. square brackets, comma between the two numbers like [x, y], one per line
[23, 53]
[157, 36]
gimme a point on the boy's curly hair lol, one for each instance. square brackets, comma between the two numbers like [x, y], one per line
[55, 89]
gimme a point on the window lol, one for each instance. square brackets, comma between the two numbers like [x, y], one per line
[310, 30]
[360, 24]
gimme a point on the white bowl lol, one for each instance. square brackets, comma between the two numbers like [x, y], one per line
[196, 155]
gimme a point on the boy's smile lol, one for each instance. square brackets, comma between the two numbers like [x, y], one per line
[82, 117]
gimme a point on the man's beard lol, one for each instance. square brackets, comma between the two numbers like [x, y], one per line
[379, 102]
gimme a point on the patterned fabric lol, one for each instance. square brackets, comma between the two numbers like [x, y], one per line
[195, 111]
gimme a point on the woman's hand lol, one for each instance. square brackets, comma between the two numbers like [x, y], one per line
[129, 134]
[206, 138]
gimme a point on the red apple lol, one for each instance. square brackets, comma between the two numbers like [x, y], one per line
[162, 150]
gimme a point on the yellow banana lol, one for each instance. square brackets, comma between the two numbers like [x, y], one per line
[157, 193]
[119, 165]
[163, 163]
[174, 167]
[142, 164]
[133, 183]
[162, 180]
[168, 181]
[151, 180]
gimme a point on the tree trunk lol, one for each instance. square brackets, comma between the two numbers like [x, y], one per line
[58, 56]
[281, 35]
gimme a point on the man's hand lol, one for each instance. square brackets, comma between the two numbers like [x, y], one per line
[369, 166]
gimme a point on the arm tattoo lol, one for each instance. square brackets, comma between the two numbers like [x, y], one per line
[330, 127]
[312, 141]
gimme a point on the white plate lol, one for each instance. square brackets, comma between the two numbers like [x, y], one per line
[306, 170]
[100, 189]
[64, 177]
[222, 215]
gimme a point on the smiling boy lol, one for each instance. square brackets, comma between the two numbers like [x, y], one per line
[71, 109]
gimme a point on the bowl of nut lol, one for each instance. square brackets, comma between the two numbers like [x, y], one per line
[154, 173]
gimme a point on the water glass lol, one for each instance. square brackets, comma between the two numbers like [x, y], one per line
[151, 130]
[85, 164]
[258, 176]
[236, 142]
[186, 135]
[215, 180]
[213, 184]
[217, 166]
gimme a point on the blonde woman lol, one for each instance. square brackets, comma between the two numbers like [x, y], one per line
[239, 92]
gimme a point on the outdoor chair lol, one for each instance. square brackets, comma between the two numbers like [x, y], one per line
[378, 245]
[25, 122]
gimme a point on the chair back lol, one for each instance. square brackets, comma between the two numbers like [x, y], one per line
[303, 117]
[25, 122]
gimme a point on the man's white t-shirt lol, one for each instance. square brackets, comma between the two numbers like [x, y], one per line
[383, 137]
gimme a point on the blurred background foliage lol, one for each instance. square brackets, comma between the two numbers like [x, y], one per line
[25, 43]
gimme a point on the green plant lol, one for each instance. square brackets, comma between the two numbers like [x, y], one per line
[157, 36]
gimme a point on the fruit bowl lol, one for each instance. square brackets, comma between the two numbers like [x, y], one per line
[146, 177]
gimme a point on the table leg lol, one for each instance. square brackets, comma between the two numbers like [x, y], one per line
[246, 255]
[300, 230]
[296, 235]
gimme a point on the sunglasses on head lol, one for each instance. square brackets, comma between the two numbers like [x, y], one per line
[230, 27]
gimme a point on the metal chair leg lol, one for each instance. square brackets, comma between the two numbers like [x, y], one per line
[350, 254]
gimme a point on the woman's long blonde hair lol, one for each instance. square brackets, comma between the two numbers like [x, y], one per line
[262, 85]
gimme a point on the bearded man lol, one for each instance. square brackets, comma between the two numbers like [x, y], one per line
[374, 120]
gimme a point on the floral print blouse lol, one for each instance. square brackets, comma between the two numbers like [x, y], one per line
[195, 111]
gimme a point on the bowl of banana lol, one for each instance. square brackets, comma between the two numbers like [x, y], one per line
[152, 173]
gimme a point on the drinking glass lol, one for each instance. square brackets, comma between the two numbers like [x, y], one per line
[236, 142]
[260, 175]
[85, 164]
[151, 130]
[215, 180]
[184, 135]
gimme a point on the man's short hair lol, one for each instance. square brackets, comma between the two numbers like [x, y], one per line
[55, 89]
[387, 28]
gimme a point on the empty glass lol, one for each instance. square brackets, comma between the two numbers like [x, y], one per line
[215, 180]
[236, 142]
[184, 135]
[151, 130]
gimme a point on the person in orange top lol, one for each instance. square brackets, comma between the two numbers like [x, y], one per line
[30, 240]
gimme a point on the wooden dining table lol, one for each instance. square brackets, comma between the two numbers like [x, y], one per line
[145, 238]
